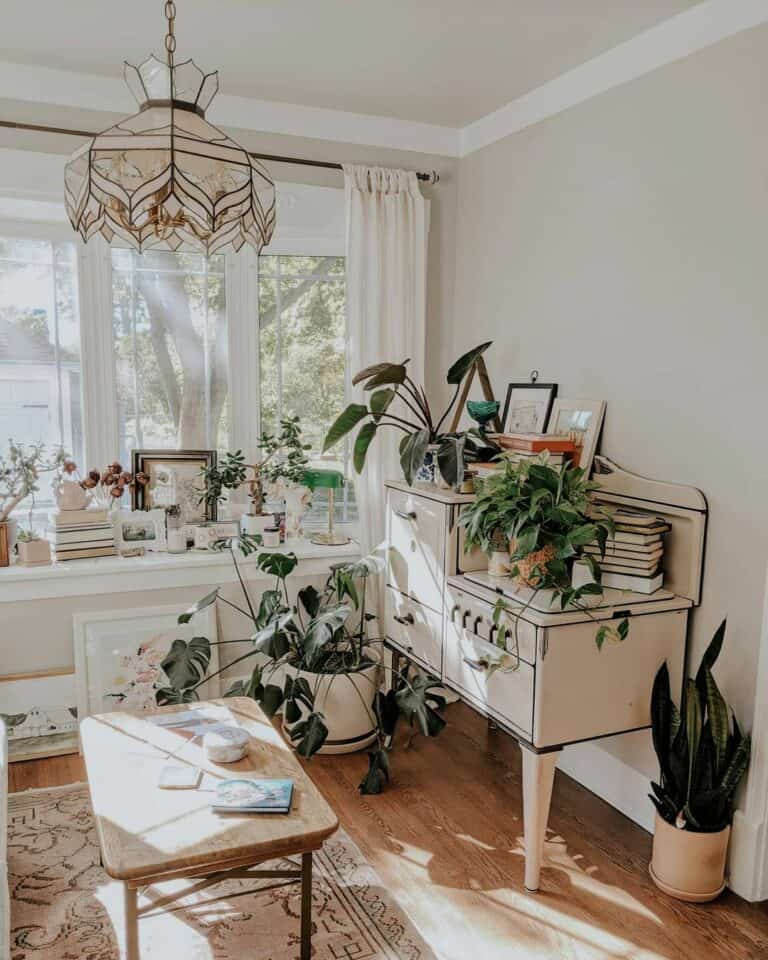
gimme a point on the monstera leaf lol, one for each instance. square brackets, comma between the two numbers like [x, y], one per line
[278, 564]
[378, 773]
[186, 664]
[207, 600]
[309, 735]
[420, 705]
[321, 631]
[167, 696]
[252, 688]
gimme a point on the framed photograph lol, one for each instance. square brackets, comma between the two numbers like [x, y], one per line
[528, 407]
[40, 714]
[119, 656]
[140, 528]
[581, 420]
[175, 477]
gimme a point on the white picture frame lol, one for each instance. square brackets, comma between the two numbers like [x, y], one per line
[130, 523]
[118, 655]
[582, 420]
[40, 713]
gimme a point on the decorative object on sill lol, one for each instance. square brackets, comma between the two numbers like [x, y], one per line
[580, 421]
[271, 537]
[422, 432]
[330, 480]
[124, 657]
[483, 412]
[33, 550]
[297, 498]
[40, 714]
[165, 176]
[547, 515]
[174, 478]
[145, 528]
[82, 534]
[284, 457]
[205, 536]
[175, 532]
[702, 758]
[528, 406]
[129, 552]
[20, 469]
[105, 488]
[226, 744]
[479, 367]
[330, 667]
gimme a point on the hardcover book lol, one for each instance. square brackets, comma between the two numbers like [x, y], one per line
[253, 796]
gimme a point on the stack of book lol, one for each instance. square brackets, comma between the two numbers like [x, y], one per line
[634, 555]
[80, 534]
[528, 446]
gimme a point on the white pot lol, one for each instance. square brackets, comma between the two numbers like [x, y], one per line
[253, 525]
[346, 702]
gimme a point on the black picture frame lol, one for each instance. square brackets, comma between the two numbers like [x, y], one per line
[549, 400]
[142, 460]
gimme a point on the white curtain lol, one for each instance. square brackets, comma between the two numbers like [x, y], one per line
[387, 227]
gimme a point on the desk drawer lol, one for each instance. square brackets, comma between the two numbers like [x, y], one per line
[415, 628]
[507, 695]
[416, 529]
[472, 616]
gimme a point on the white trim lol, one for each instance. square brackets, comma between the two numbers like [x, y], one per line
[748, 861]
[694, 29]
[97, 352]
[242, 293]
[90, 92]
[611, 779]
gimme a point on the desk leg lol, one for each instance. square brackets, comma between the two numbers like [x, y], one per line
[538, 777]
[306, 906]
[130, 896]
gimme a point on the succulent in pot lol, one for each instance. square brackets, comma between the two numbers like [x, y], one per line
[424, 447]
[702, 756]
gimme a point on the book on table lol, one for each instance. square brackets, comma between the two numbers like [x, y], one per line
[253, 796]
[69, 518]
[535, 442]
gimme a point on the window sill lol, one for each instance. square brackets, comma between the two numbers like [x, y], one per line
[154, 571]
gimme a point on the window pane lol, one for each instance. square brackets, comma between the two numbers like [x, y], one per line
[170, 330]
[303, 342]
[40, 347]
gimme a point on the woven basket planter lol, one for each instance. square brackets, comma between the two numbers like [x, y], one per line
[527, 565]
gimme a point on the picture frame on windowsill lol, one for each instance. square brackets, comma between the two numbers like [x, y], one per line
[140, 528]
[174, 477]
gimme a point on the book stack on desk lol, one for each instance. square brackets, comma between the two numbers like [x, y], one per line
[81, 534]
[529, 446]
[634, 556]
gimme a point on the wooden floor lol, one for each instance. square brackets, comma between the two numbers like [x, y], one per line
[446, 841]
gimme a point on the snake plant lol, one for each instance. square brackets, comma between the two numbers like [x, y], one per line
[702, 752]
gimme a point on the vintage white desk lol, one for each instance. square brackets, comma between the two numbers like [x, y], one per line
[439, 613]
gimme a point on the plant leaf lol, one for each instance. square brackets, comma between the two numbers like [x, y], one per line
[693, 722]
[362, 441]
[271, 699]
[186, 664]
[253, 688]
[314, 736]
[310, 600]
[347, 420]
[412, 453]
[462, 366]
[390, 373]
[278, 564]
[414, 703]
[378, 773]
[717, 712]
[207, 600]
[380, 401]
[368, 372]
[450, 459]
[321, 631]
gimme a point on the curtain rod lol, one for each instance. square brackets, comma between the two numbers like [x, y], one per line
[432, 177]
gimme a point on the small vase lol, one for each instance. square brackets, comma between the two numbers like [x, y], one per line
[428, 472]
[253, 525]
[70, 495]
[686, 865]
[297, 499]
[34, 553]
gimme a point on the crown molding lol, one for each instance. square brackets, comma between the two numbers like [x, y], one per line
[694, 29]
[64, 88]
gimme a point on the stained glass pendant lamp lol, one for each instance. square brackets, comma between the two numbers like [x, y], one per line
[165, 177]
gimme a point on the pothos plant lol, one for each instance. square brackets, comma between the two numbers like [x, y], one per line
[392, 389]
[540, 509]
[326, 633]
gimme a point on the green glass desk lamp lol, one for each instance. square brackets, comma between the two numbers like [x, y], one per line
[331, 480]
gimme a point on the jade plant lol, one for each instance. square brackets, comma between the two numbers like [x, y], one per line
[545, 512]
[20, 470]
[702, 753]
[325, 633]
[392, 389]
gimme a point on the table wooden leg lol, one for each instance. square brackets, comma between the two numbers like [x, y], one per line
[538, 777]
[130, 896]
[306, 906]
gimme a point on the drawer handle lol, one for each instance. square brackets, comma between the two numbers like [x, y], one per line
[407, 620]
[477, 665]
[406, 514]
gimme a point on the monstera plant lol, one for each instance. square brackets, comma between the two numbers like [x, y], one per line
[313, 660]
[391, 389]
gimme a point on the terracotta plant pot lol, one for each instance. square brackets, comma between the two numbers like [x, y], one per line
[527, 565]
[686, 865]
[5, 544]
[34, 553]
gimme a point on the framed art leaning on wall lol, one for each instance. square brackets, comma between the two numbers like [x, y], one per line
[527, 407]
[581, 420]
[175, 477]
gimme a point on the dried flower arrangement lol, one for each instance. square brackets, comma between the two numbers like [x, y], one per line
[108, 486]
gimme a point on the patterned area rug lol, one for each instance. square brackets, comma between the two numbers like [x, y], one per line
[64, 907]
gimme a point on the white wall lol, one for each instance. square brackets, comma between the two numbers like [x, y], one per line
[620, 249]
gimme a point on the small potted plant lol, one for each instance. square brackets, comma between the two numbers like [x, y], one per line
[427, 452]
[20, 470]
[33, 550]
[702, 756]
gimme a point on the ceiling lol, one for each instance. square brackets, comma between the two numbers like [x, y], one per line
[445, 62]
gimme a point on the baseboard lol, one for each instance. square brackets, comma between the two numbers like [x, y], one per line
[611, 779]
[747, 876]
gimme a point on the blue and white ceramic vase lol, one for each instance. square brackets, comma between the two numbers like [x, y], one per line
[428, 472]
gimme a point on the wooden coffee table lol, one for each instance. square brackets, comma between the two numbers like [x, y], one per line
[149, 835]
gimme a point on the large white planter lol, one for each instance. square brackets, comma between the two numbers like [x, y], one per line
[346, 702]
